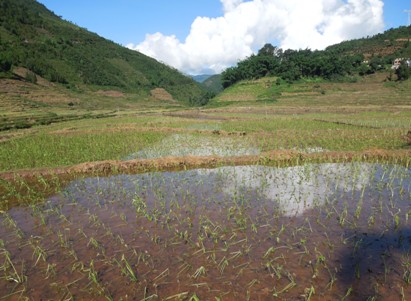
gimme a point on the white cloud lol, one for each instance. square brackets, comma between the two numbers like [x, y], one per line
[217, 43]
[230, 5]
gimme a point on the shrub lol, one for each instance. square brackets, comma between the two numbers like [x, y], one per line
[31, 77]
[403, 71]
[5, 65]
[22, 125]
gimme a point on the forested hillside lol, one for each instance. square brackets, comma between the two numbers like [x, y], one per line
[213, 84]
[35, 38]
[350, 58]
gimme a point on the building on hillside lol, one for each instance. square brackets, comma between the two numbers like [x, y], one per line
[397, 63]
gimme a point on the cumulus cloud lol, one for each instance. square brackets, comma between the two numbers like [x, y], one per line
[217, 43]
[229, 5]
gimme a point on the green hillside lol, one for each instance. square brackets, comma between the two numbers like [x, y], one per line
[369, 91]
[345, 60]
[388, 45]
[213, 84]
[58, 51]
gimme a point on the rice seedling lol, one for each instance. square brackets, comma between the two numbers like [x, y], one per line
[237, 229]
[51, 271]
[347, 294]
[12, 273]
[126, 268]
[201, 271]
[179, 296]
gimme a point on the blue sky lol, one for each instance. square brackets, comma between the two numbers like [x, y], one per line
[128, 21]
[182, 35]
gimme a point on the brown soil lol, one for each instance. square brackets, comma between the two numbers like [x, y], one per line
[196, 115]
[408, 137]
[20, 71]
[299, 93]
[346, 123]
[15, 90]
[192, 238]
[9, 136]
[76, 131]
[188, 162]
[111, 93]
[237, 97]
[11, 86]
[387, 50]
[161, 94]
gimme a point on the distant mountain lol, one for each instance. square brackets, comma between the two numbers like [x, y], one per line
[201, 78]
[35, 38]
[213, 84]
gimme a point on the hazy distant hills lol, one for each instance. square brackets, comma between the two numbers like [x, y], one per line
[201, 78]
[213, 84]
[210, 82]
[35, 38]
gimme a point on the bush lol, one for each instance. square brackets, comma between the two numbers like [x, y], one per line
[56, 78]
[45, 122]
[403, 71]
[22, 125]
[31, 77]
[5, 65]
[201, 100]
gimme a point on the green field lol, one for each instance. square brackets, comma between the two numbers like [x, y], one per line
[270, 192]
[370, 114]
[121, 178]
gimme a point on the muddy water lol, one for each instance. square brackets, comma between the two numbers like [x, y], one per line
[315, 231]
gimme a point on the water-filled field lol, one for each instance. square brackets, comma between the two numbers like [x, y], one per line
[309, 232]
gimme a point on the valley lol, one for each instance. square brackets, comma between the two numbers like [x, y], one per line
[123, 179]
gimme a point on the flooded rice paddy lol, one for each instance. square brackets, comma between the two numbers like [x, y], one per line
[180, 145]
[311, 232]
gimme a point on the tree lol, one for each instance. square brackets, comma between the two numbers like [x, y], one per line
[6, 57]
[230, 76]
[403, 71]
[5, 64]
[267, 50]
[376, 64]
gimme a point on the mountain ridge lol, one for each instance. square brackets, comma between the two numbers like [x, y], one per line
[33, 37]
[341, 61]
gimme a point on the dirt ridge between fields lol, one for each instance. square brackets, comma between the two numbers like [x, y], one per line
[190, 162]
[147, 129]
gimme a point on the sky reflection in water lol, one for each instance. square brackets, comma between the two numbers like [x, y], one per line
[291, 190]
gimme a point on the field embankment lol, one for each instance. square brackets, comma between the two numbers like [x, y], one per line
[293, 194]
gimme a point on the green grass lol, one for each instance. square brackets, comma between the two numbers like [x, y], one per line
[73, 142]
[53, 150]
[349, 117]
[373, 90]
[227, 232]
[279, 132]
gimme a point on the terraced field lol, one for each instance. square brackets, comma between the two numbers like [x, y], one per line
[289, 193]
